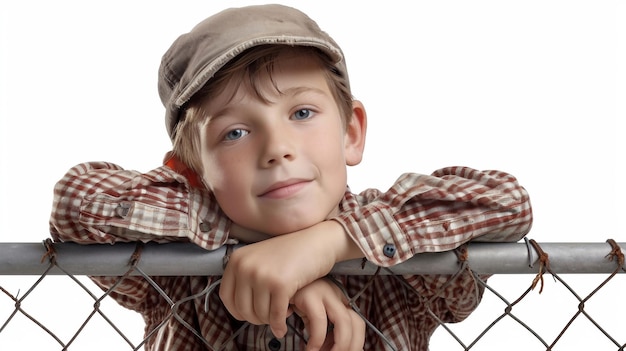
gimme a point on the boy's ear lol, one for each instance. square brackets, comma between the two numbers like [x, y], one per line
[355, 134]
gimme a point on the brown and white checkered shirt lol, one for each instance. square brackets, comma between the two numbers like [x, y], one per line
[100, 202]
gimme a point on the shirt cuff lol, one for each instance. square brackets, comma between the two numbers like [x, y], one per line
[376, 232]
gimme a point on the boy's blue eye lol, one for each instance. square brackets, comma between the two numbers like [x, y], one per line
[236, 134]
[302, 114]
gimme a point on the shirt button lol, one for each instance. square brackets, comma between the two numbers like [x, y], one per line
[204, 227]
[389, 250]
[274, 344]
[122, 209]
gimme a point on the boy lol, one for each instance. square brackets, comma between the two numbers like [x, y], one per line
[263, 125]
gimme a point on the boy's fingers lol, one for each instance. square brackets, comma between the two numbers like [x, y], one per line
[279, 308]
[358, 332]
[245, 305]
[316, 324]
[315, 321]
[348, 328]
[343, 327]
[227, 295]
[261, 306]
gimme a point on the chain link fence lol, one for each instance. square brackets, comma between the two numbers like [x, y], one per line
[548, 296]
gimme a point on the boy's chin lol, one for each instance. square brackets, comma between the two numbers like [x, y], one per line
[247, 235]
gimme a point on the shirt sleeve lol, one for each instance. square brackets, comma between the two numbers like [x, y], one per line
[437, 212]
[99, 202]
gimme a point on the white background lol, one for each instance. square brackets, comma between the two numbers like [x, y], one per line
[535, 88]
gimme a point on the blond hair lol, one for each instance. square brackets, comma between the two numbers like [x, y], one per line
[247, 69]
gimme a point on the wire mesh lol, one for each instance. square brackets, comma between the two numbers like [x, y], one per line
[555, 307]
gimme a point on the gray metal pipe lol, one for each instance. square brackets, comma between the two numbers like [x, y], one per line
[189, 259]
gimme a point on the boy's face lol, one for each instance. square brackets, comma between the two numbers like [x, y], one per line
[278, 166]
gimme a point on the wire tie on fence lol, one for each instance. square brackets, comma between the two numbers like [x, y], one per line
[136, 256]
[50, 253]
[616, 252]
[544, 262]
[462, 253]
[226, 258]
[529, 250]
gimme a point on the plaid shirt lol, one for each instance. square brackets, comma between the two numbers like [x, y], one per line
[100, 202]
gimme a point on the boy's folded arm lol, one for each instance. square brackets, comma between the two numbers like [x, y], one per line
[438, 212]
[99, 202]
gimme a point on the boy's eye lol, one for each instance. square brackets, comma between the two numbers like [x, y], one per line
[236, 134]
[302, 114]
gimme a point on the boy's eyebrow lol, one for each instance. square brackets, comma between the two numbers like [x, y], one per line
[217, 115]
[302, 89]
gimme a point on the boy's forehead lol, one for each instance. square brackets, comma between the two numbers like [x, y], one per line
[294, 72]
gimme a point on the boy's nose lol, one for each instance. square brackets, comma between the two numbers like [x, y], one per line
[278, 148]
[279, 159]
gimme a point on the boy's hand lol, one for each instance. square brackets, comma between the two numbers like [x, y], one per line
[321, 302]
[261, 278]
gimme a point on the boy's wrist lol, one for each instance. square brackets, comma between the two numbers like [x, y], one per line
[345, 247]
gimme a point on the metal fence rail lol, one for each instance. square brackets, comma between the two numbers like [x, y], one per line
[600, 309]
[189, 259]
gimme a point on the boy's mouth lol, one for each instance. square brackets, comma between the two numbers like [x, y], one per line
[283, 189]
